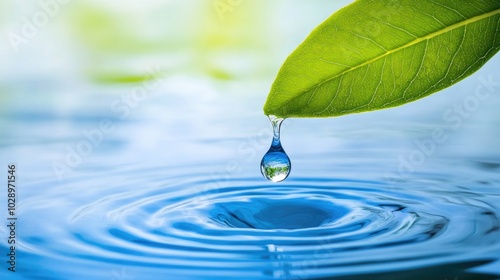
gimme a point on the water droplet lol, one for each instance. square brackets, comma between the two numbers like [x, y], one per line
[275, 164]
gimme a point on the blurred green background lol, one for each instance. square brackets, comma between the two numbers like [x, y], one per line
[64, 63]
[112, 41]
[67, 61]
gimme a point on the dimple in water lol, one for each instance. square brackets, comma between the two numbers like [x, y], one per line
[275, 165]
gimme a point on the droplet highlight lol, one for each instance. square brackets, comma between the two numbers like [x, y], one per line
[275, 165]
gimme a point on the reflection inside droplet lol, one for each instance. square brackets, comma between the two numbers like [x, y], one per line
[275, 165]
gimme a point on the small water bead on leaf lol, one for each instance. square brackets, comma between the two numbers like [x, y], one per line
[275, 165]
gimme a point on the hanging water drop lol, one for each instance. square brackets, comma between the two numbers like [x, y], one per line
[275, 165]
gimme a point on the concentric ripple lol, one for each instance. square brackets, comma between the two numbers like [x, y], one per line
[305, 228]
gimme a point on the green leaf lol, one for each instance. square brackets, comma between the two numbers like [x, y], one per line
[376, 54]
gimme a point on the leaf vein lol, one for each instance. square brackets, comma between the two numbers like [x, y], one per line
[416, 41]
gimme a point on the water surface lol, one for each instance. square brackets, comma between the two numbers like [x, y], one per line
[175, 189]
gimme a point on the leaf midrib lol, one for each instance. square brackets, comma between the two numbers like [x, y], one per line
[414, 42]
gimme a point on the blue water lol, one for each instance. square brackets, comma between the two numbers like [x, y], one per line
[174, 191]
